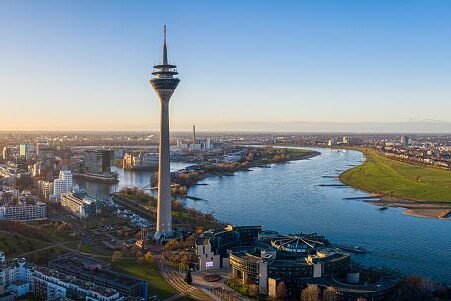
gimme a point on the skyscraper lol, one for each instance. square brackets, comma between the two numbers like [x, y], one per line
[164, 83]
[25, 151]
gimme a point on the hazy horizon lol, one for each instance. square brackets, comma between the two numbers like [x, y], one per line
[422, 127]
[304, 66]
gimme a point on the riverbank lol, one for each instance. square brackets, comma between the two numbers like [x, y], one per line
[252, 157]
[422, 191]
[287, 197]
[184, 217]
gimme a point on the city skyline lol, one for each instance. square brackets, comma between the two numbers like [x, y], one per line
[360, 67]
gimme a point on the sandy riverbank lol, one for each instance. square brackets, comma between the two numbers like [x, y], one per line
[422, 191]
[417, 208]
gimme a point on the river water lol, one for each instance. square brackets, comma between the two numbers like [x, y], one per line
[287, 198]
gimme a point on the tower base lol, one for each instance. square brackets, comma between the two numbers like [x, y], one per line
[164, 236]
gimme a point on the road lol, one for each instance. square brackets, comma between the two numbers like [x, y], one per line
[176, 280]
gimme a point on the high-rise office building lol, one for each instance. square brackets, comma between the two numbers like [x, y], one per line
[164, 83]
[98, 161]
[25, 151]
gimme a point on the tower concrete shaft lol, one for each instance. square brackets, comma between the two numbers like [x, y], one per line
[164, 84]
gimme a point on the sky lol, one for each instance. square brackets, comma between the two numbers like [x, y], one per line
[244, 65]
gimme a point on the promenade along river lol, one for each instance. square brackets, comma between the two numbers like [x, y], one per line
[287, 198]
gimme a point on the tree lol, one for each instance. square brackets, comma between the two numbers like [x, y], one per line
[253, 290]
[413, 288]
[148, 257]
[281, 291]
[170, 245]
[330, 294]
[310, 293]
[188, 277]
[117, 256]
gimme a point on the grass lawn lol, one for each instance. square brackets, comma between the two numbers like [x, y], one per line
[149, 272]
[16, 244]
[401, 180]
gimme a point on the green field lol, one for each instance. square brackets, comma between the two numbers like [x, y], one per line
[392, 178]
[16, 244]
[149, 272]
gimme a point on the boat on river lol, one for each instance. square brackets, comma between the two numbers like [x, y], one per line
[353, 249]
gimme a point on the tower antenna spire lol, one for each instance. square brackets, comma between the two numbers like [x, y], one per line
[164, 33]
[165, 50]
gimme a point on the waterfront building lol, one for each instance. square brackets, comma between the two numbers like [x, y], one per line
[63, 184]
[24, 212]
[266, 258]
[200, 145]
[79, 204]
[164, 83]
[139, 160]
[98, 161]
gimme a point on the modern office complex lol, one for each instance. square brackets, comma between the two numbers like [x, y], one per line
[79, 204]
[267, 258]
[24, 212]
[98, 161]
[164, 83]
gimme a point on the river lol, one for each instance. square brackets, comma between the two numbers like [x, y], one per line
[287, 198]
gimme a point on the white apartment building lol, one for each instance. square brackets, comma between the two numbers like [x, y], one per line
[24, 212]
[63, 184]
[79, 204]
[15, 275]
[49, 284]
[20, 278]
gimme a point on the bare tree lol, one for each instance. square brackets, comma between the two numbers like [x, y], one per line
[330, 294]
[310, 293]
[281, 291]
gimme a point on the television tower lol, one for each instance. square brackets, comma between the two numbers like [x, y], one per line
[164, 83]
